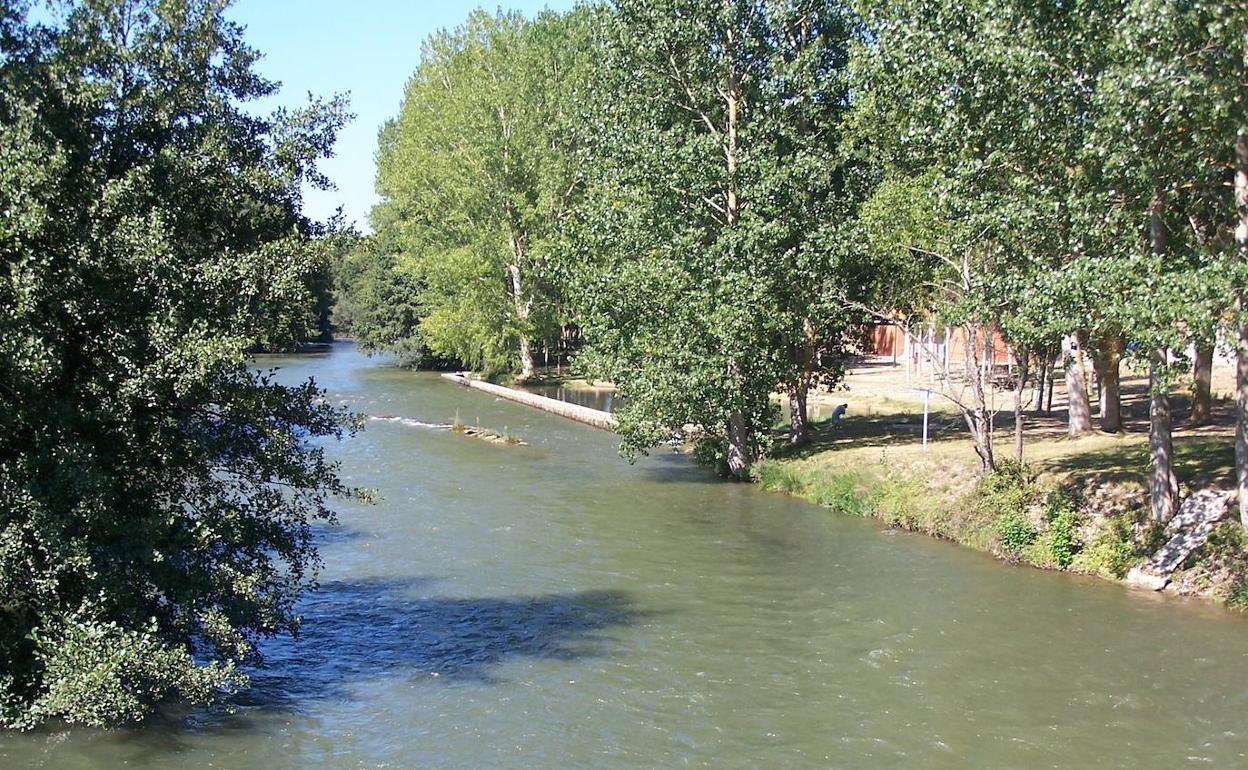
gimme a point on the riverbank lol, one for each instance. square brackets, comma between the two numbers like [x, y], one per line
[1077, 505]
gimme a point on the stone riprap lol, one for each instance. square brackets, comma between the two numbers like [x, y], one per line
[1198, 516]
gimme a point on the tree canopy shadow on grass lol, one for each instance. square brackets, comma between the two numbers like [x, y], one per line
[1198, 460]
[880, 430]
[364, 629]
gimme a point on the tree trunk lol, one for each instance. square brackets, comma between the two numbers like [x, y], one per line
[740, 442]
[803, 355]
[1080, 420]
[1202, 385]
[1108, 361]
[1163, 485]
[1048, 404]
[740, 452]
[527, 368]
[978, 419]
[1019, 387]
[1241, 367]
[800, 432]
[732, 99]
[1042, 372]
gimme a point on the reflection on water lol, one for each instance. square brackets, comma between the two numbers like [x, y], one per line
[558, 607]
[602, 399]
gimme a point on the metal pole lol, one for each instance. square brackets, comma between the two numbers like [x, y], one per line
[927, 396]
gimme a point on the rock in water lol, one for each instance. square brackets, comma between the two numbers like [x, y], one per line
[1187, 531]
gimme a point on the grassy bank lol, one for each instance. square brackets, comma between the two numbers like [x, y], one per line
[1076, 505]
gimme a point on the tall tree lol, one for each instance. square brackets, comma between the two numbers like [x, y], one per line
[156, 493]
[476, 174]
[705, 238]
[1162, 105]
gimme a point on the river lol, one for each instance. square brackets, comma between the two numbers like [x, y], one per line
[551, 606]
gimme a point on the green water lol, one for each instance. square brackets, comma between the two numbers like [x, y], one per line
[551, 606]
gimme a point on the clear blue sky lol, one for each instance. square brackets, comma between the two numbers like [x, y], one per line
[368, 48]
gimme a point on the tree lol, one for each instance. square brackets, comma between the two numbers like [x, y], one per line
[1162, 107]
[156, 493]
[476, 174]
[808, 190]
[379, 304]
[705, 239]
[969, 104]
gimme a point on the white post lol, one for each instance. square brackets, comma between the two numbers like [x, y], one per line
[927, 397]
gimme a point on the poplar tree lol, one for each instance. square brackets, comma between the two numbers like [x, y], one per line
[476, 174]
[705, 237]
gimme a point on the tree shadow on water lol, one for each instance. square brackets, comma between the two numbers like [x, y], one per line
[360, 630]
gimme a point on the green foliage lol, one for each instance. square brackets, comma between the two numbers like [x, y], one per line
[157, 493]
[1060, 541]
[709, 452]
[844, 493]
[1009, 491]
[1109, 553]
[900, 503]
[704, 255]
[1014, 532]
[780, 477]
[1238, 599]
[475, 175]
[379, 305]
[1057, 546]
[1007, 495]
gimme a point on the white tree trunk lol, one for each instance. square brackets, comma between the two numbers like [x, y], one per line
[527, 368]
[1080, 421]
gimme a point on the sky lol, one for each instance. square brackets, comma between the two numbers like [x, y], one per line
[366, 48]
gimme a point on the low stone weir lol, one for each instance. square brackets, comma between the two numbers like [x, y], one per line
[594, 417]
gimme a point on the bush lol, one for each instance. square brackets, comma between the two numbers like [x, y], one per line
[894, 501]
[1009, 489]
[1009, 478]
[711, 452]
[1239, 596]
[1109, 553]
[1058, 545]
[1061, 540]
[1014, 533]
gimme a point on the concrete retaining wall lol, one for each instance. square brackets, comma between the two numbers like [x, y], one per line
[594, 417]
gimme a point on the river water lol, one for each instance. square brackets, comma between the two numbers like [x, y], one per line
[551, 606]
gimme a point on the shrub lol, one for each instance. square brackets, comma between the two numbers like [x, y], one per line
[1239, 595]
[712, 452]
[895, 501]
[1109, 553]
[1014, 533]
[1061, 539]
